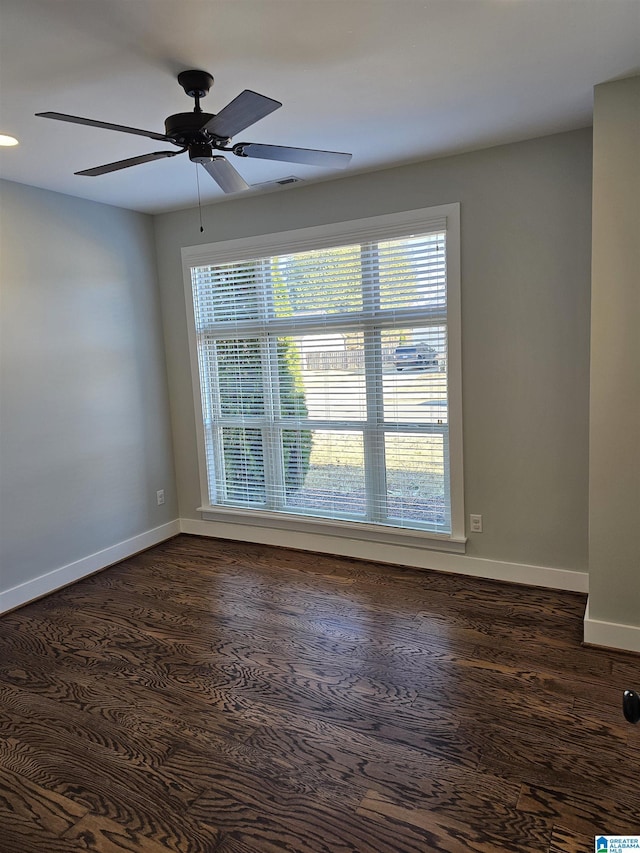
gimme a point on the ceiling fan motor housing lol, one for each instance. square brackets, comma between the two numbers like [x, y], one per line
[185, 127]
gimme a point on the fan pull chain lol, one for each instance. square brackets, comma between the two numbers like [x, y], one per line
[199, 202]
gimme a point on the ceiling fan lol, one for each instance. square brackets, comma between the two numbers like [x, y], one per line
[204, 134]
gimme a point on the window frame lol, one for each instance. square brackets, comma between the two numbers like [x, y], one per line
[386, 226]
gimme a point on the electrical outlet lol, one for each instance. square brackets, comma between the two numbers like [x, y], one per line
[475, 523]
[160, 496]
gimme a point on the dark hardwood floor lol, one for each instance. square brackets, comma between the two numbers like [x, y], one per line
[217, 697]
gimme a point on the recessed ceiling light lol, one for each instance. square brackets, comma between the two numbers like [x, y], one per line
[7, 140]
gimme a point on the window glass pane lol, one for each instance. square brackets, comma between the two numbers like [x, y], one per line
[241, 383]
[323, 281]
[228, 292]
[243, 465]
[291, 386]
[412, 272]
[326, 376]
[416, 479]
[414, 375]
[324, 472]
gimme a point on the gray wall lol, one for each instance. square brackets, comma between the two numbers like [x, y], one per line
[84, 433]
[526, 232]
[614, 570]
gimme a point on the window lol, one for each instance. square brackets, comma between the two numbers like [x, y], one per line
[326, 367]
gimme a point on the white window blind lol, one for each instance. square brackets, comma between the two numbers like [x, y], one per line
[323, 377]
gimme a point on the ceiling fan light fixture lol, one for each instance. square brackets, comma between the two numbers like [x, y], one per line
[200, 152]
[8, 141]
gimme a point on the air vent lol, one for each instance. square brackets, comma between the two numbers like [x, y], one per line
[281, 182]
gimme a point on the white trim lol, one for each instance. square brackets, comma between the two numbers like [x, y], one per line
[413, 557]
[65, 575]
[454, 372]
[610, 635]
[405, 536]
[196, 387]
[383, 227]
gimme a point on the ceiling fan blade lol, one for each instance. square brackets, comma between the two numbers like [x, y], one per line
[308, 156]
[124, 164]
[225, 175]
[243, 111]
[105, 124]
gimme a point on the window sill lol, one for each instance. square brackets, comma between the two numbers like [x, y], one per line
[332, 527]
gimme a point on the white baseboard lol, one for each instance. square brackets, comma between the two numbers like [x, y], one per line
[419, 558]
[598, 633]
[63, 576]
[611, 635]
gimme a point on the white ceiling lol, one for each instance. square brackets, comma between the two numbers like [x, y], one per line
[391, 81]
